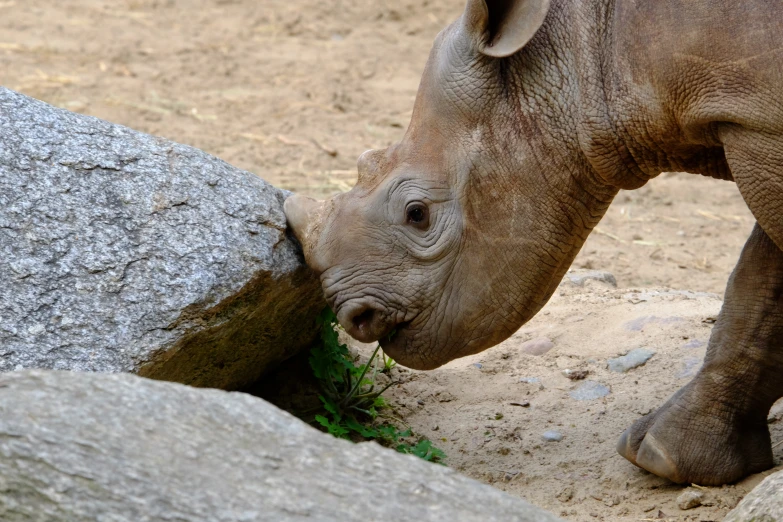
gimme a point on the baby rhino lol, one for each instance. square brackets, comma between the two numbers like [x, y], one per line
[530, 117]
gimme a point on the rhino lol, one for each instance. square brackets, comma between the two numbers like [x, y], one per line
[530, 117]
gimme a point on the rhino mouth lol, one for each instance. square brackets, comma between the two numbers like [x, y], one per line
[395, 343]
[402, 346]
[395, 334]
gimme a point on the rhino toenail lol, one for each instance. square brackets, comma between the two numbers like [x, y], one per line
[654, 458]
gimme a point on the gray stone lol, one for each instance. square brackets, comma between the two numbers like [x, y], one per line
[580, 277]
[633, 359]
[123, 252]
[638, 324]
[87, 447]
[763, 504]
[648, 295]
[552, 436]
[538, 346]
[689, 499]
[590, 390]
[690, 367]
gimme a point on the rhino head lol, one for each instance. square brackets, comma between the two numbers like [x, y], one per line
[457, 235]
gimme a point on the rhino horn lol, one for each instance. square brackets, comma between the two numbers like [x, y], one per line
[302, 214]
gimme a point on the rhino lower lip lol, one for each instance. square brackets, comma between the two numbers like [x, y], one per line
[392, 340]
[397, 329]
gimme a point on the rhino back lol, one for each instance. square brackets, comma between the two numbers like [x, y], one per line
[714, 60]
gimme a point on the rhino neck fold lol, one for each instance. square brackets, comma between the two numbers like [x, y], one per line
[539, 129]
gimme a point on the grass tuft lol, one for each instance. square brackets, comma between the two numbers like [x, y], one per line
[353, 406]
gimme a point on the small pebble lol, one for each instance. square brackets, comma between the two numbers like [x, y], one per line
[590, 390]
[580, 277]
[632, 359]
[478, 365]
[689, 499]
[566, 494]
[552, 436]
[537, 346]
[576, 375]
[530, 380]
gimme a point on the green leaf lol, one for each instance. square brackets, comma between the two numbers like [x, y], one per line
[323, 421]
[331, 407]
[364, 431]
[338, 431]
[422, 448]
[425, 450]
[438, 455]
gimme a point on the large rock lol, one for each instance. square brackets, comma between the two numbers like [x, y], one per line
[85, 447]
[763, 504]
[123, 252]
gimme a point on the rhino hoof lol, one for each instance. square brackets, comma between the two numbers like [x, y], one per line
[653, 457]
[625, 448]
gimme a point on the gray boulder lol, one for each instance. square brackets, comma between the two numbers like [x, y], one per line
[763, 504]
[86, 447]
[123, 252]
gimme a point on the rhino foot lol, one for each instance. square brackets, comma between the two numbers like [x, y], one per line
[714, 430]
[694, 438]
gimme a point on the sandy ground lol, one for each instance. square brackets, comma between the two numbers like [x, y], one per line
[489, 412]
[294, 91]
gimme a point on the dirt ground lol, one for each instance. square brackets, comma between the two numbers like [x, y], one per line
[294, 91]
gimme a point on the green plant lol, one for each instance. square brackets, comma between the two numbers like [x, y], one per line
[351, 398]
[388, 363]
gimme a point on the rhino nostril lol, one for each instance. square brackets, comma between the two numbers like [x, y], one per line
[363, 321]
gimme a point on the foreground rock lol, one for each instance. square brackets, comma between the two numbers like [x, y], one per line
[763, 504]
[123, 252]
[90, 447]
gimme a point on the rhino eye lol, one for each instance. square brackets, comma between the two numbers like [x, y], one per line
[418, 215]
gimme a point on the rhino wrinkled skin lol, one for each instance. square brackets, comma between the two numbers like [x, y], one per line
[530, 117]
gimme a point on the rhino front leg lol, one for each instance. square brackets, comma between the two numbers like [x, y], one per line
[714, 430]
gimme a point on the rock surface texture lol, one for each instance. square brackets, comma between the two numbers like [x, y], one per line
[123, 252]
[84, 447]
[763, 504]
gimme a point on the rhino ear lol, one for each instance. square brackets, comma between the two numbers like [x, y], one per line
[503, 27]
